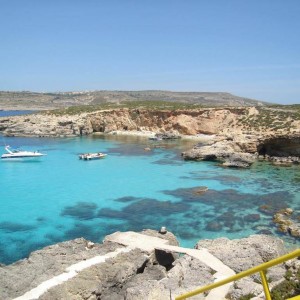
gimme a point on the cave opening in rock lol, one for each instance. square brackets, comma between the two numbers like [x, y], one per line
[280, 146]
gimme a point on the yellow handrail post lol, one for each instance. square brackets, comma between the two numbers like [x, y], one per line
[265, 284]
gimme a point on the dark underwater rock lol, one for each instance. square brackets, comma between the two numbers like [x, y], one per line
[252, 218]
[213, 226]
[81, 211]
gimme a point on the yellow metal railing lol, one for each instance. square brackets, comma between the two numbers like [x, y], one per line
[258, 269]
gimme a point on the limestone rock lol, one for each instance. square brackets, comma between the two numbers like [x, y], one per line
[245, 286]
[225, 151]
[103, 281]
[149, 290]
[43, 264]
[187, 274]
[244, 253]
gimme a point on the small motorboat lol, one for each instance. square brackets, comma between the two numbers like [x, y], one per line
[16, 153]
[90, 156]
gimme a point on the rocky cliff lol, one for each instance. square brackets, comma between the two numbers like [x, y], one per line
[222, 121]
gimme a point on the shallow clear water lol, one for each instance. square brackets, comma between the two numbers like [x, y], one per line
[61, 197]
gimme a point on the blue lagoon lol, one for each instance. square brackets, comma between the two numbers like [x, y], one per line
[61, 197]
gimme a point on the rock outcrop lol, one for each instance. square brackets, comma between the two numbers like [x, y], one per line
[227, 151]
[287, 221]
[113, 271]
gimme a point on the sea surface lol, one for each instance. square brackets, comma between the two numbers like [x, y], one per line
[5, 113]
[60, 197]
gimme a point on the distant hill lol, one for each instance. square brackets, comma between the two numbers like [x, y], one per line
[33, 100]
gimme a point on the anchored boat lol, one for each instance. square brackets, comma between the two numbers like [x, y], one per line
[16, 153]
[91, 156]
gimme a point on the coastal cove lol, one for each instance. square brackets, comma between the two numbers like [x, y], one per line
[61, 197]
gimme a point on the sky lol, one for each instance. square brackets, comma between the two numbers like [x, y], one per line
[249, 48]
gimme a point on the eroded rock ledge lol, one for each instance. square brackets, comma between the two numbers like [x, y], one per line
[241, 150]
[139, 274]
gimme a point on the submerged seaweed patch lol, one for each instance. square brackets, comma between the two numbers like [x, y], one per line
[226, 210]
[172, 160]
[127, 199]
[92, 233]
[143, 207]
[80, 211]
[232, 199]
[15, 227]
[110, 213]
[130, 150]
[13, 249]
[169, 161]
[152, 214]
[153, 206]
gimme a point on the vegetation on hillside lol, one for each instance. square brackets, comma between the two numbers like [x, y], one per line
[276, 117]
[51, 100]
[153, 105]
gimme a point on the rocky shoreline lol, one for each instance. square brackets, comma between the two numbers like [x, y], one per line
[236, 137]
[114, 271]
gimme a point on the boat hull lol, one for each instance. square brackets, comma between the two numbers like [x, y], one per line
[8, 158]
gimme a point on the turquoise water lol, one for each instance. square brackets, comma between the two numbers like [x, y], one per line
[61, 197]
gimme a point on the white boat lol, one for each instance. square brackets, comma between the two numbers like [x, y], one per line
[15, 153]
[90, 156]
